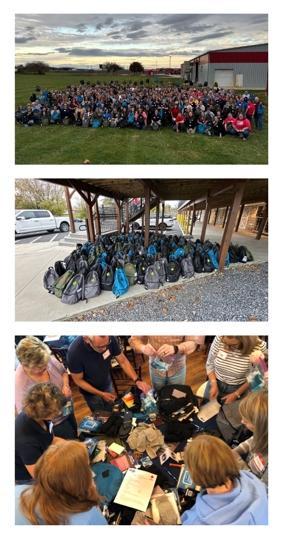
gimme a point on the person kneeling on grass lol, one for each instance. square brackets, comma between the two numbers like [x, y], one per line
[241, 127]
[228, 495]
[155, 122]
[141, 119]
[180, 123]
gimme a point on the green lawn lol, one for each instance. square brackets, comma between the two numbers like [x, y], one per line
[56, 144]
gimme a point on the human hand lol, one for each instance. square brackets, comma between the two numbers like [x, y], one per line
[256, 356]
[148, 350]
[213, 393]
[228, 398]
[165, 350]
[108, 397]
[66, 390]
[143, 386]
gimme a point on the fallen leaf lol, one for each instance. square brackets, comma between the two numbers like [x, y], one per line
[102, 311]
[176, 287]
[80, 317]
[86, 161]
[197, 299]
[165, 310]
[194, 313]
[172, 299]
[252, 318]
[163, 294]
[130, 305]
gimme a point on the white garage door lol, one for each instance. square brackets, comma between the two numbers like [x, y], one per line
[224, 77]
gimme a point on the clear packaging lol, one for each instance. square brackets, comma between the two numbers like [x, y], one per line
[255, 375]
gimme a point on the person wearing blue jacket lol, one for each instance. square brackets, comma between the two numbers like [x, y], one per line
[229, 496]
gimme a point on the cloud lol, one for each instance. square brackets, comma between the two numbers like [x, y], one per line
[24, 40]
[211, 36]
[137, 35]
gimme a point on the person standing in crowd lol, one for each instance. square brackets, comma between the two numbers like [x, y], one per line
[38, 366]
[227, 366]
[89, 362]
[64, 492]
[228, 495]
[167, 357]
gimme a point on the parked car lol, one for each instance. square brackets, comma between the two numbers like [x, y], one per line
[29, 220]
[168, 222]
[78, 220]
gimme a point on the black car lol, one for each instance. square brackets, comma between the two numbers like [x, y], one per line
[78, 220]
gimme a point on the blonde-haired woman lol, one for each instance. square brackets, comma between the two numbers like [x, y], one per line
[227, 366]
[228, 495]
[64, 492]
[254, 411]
[38, 366]
[34, 428]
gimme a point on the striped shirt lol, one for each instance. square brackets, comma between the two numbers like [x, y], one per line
[228, 364]
[175, 362]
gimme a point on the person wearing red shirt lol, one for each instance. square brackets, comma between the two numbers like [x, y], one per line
[241, 127]
[174, 112]
[180, 122]
[250, 110]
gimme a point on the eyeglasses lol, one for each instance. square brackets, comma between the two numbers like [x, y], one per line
[100, 349]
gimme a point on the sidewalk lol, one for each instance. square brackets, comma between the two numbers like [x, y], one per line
[34, 303]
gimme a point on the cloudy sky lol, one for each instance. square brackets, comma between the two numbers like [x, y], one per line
[89, 40]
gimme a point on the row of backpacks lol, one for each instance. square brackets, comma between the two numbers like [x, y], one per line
[116, 262]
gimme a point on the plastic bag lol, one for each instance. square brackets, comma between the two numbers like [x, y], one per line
[255, 376]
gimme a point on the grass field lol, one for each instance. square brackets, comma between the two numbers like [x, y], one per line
[56, 144]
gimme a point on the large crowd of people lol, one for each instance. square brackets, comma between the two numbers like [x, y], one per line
[185, 109]
[53, 475]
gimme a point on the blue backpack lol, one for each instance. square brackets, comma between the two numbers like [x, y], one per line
[260, 109]
[201, 128]
[121, 283]
[96, 123]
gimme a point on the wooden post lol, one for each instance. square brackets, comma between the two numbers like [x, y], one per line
[69, 208]
[225, 216]
[90, 222]
[127, 216]
[97, 218]
[239, 217]
[262, 224]
[215, 218]
[118, 210]
[147, 215]
[240, 186]
[205, 220]
[157, 216]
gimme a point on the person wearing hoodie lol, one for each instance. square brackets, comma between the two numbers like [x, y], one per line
[228, 495]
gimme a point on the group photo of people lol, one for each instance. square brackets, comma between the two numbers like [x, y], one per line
[90, 411]
[183, 108]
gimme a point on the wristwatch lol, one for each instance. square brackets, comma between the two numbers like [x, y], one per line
[238, 395]
[138, 379]
[176, 349]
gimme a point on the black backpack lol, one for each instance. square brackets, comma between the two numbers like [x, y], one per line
[74, 290]
[107, 278]
[92, 285]
[187, 267]
[173, 271]
[171, 409]
[60, 267]
[49, 277]
[207, 263]
[151, 279]
[197, 262]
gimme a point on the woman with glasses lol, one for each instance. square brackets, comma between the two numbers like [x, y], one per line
[63, 493]
[227, 366]
[38, 366]
[89, 362]
[34, 428]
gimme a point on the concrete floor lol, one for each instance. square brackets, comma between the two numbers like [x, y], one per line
[34, 303]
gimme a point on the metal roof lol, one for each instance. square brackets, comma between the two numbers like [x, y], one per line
[225, 50]
[189, 190]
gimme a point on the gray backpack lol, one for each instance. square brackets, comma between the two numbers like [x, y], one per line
[82, 266]
[49, 277]
[151, 279]
[92, 285]
[160, 267]
[228, 421]
[61, 283]
[187, 267]
[74, 290]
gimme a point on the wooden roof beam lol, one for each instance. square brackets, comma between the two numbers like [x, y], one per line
[151, 185]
